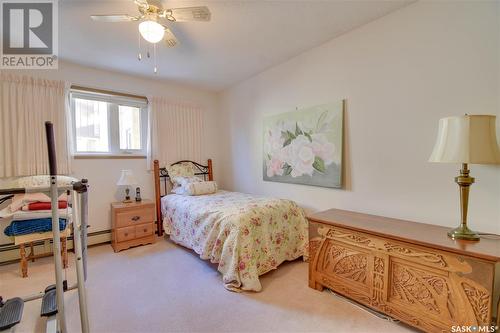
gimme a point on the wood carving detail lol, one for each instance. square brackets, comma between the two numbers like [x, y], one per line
[479, 300]
[379, 265]
[335, 286]
[352, 267]
[411, 286]
[334, 233]
[345, 263]
[378, 282]
[374, 243]
[427, 256]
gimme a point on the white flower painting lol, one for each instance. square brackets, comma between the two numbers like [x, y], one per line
[305, 146]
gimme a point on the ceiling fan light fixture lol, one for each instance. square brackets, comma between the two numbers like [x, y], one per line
[151, 31]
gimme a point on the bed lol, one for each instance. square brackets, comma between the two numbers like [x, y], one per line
[245, 235]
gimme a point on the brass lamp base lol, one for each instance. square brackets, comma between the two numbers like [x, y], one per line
[463, 233]
[464, 181]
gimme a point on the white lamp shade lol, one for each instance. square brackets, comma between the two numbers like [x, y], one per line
[467, 139]
[151, 31]
[127, 178]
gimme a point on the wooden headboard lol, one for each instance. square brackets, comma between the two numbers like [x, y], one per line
[162, 177]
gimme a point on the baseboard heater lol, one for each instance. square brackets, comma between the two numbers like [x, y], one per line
[9, 253]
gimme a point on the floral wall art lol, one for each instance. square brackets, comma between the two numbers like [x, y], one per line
[305, 146]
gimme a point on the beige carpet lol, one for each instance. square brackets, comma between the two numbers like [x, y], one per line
[165, 288]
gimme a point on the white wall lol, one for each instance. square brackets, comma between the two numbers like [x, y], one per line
[399, 75]
[104, 173]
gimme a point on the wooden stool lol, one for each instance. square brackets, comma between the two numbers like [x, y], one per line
[29, 239]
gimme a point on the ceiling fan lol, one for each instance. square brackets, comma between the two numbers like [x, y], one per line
[153, 18]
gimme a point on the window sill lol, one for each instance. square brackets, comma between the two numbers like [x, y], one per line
[107, 156]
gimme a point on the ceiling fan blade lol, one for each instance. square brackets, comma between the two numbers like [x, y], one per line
[114, 18]
[188, 14]
[142, 3]
[170, 38]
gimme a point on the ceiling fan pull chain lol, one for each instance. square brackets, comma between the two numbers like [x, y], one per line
[139, 56]
[154, 55]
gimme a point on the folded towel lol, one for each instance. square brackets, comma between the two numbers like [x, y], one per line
[43, 205]
[32, 214]
[20, 200]
[25, 227]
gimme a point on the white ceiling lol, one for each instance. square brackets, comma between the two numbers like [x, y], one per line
[243, 38]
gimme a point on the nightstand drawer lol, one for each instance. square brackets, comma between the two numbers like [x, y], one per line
[144, 230]
[125, 234]
[135, 216]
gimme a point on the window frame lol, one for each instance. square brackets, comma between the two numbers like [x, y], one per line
[113, 102]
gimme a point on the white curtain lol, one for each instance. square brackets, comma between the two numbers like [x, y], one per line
[25, 104]
[175, 131]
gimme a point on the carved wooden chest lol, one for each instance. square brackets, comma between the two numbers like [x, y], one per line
[410, 271]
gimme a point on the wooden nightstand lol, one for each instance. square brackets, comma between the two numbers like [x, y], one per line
[132, 224]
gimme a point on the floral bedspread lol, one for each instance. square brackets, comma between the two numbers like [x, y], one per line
[245, 235]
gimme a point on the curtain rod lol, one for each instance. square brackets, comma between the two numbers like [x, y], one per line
[108, 92]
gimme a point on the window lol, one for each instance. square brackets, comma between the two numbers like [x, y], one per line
[108, 125]
[129, 118]
[91, 124]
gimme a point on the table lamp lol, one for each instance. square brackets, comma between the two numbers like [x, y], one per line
[469, 139]
[127, 179]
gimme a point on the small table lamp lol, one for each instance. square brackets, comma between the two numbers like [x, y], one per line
[469, 139]
[127, 179]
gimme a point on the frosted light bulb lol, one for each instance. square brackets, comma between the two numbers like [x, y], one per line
[151, 31]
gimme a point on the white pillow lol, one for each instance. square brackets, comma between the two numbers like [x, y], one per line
[179, 190]
[181, 184]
